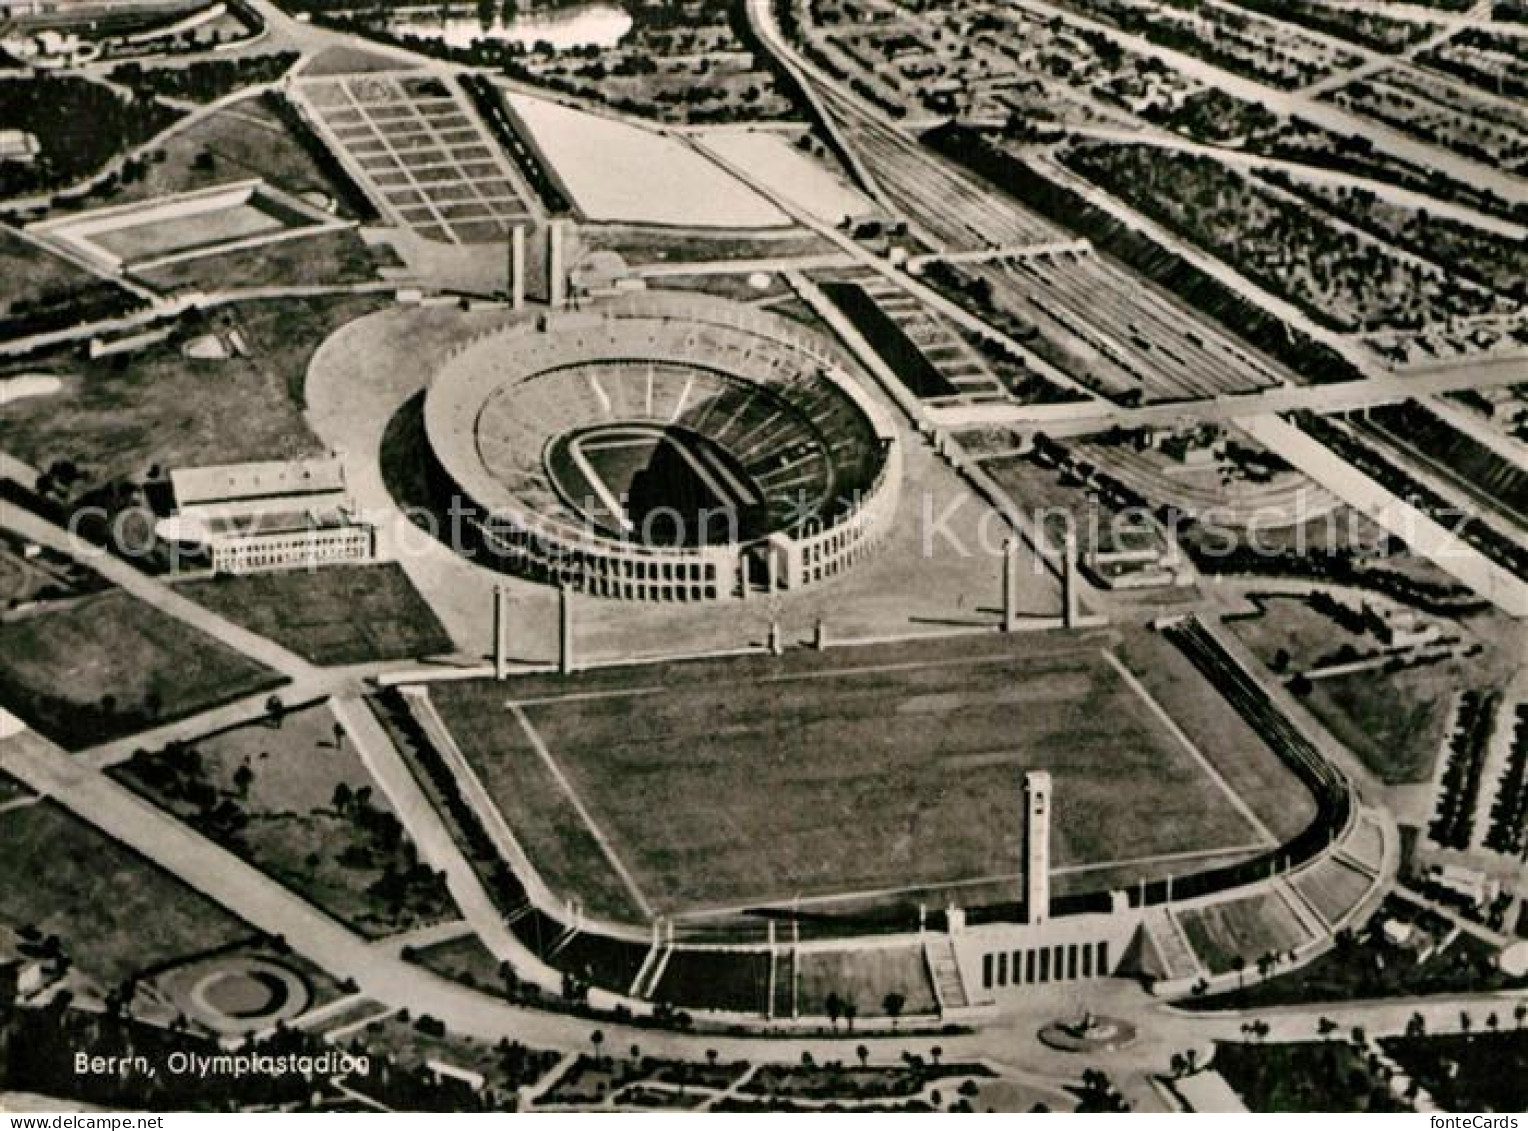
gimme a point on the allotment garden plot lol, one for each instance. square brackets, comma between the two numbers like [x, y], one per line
[422, 153]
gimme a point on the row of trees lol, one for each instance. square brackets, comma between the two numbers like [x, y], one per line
[205, 80]
[80, 126]
[1315, 360]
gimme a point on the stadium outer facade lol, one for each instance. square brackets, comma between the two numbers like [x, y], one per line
[820, 456]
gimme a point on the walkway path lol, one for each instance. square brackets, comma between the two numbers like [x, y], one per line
[436, 844]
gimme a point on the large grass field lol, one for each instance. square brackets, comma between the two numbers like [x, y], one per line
[115, 912]
[1483, 1071]
[1305, 635]
[892, 767]
[865, 977]
[203, 228]
[1310, 1076]
[295, 801]
[121, 417]
[108, 665]
[1394, 721]
[1243, 928]
[334, 257]
[243, 140]
[1213, 725]
[36, 279]
[337, 615]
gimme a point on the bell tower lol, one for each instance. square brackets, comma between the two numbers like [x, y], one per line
[1037, 818]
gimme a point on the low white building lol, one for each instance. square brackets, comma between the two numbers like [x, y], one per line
[1397, 932]
[250, 517]
[443, 1070]
[1207, 1091]
[1399, 627]
[18, 145]
[1470, 883]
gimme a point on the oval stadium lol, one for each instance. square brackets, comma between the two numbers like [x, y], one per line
[666, 448]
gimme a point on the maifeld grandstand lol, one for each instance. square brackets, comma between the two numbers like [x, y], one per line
[663, 448]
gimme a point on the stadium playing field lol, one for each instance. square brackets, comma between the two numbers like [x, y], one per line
[683, 788]
[666, 485]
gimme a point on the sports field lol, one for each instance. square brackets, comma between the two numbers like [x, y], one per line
[881, 770]
[423, 153]
[186, 225]
[619, 173]
[192, 231]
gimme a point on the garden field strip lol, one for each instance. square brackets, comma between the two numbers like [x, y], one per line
[977, 881]
[424, 155]
[390, 150]
[788, 677]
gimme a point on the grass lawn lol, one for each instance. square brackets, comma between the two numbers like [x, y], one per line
[1333, 887]
[657, 1099]
[736, 287]
[11, 789]
[108, 665]
[121, 417]
[1039, 488]
[564, 852]
[836, 1080]
[1365, 967]
[201, 228]
[506, 1066]
[36, 278]
[1289, 624]
[1245, 928]
[465, 960]
[757, 779]
[244, 140]
[1312, 1076]
[590, 1079]
[333, 257]
[1393, 721]
[343, 614]
[1011, 1097]
[286, 818]
[347, 60]
[41, 575]
[1483, 1071]
[736, 981]
[642, 245]
[115, 911]
[865, 977]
